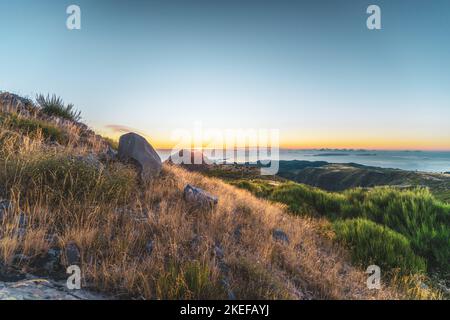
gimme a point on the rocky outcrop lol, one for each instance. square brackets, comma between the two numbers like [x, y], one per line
[135, 149]
[10, 102]
[199, 198]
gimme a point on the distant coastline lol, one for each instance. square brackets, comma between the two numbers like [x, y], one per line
[423, 161]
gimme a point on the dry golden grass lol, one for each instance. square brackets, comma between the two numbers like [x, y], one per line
[195, 254]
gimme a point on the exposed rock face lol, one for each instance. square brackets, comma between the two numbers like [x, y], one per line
[199, 197]
[11, 102]
[135, 148]
[90, 160]
[33, 288]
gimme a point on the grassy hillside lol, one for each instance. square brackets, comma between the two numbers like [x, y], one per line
[145, 241]
[402, 230]
[338, 177]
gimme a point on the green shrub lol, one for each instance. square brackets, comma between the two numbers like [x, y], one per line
[415, 214]
[372, 243]
[296, 196]
[54, 106]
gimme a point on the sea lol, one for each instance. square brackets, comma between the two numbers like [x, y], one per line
[425, 161]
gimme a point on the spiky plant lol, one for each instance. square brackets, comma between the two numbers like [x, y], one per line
[54, 106]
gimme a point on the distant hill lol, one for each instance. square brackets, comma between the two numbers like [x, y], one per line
[339, 177]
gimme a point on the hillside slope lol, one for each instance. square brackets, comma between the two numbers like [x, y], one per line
[64, 199]
[338, 177]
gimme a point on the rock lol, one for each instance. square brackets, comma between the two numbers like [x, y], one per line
[237, 233]
[5, 205]
[135, 148]
[149, 247]
[111, 153]
[10, 102]
[226, 285]
[218, 252]
[73, 254]
[19, 258]
[48, 263]
[280, 235]
[199, 197]
[23, 221]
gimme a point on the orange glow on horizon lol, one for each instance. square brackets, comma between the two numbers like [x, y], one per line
[342, 141]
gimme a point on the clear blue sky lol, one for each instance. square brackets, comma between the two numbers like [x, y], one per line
[309, 68]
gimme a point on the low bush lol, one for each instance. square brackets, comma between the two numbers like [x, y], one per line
[372, 243]
[415, 214]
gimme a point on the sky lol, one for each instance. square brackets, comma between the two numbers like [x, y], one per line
[311, 69]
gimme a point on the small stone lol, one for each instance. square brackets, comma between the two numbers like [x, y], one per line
[280, 235]
[149, 247]
[199, 197]
[111, 153]
[22, 220]
[73, 254]
[91, 160]
[237, 234]
[218, 252]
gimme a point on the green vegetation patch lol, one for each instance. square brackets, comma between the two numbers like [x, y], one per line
[414, 214]
[371, 243]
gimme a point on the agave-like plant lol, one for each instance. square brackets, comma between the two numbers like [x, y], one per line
[54, 106]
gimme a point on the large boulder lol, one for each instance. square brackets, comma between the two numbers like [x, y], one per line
[134, 148]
